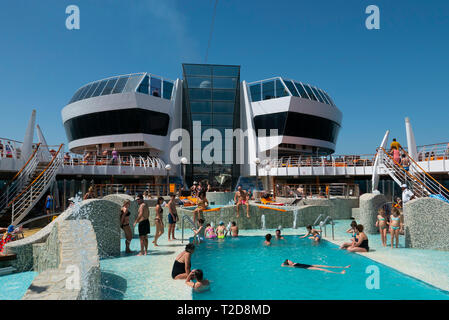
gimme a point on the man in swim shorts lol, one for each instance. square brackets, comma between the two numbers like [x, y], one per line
[144, 225]
[172, 217]
[241, 198]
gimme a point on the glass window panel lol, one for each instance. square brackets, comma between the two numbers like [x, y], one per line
[227, 95]
[109, 86]
[226, 71]
[168, 88]
[132, 83]
[91, 90]
[291, 87]
[268, 90]
[225, 83]
[201, 106]
[86, 89]
[99, 88]
[205, 118]
[143, 87]
[317, 94]
[155, 87]
[199, 82]
[323, 96]
[200, 94]
[197, 70]
[75, 96]
[256, 91]
[329, 98]
[301, 90]
[310, 93]
[280, 89]
[120, 85]
[223, 120]
[223, 107]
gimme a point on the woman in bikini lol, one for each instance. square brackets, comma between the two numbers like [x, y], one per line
[353, 230]
[395, 225]
[382, 224]
[181, 266]
[158, 220]
[202, 204]
[210, 232]
[124, 224]
[289, 263]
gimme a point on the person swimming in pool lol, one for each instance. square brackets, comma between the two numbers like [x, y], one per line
[210, 232]
[312, 234]
[267, 241]
[221, 229]
[289, 263]
[382, 224]
[201, 284]
[278, 235]
[234, 230]
[200, 232]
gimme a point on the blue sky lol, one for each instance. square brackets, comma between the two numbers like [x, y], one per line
[376, 77]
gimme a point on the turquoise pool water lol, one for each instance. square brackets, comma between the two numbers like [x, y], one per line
[242, 268]
[212, 206]
[13, 286]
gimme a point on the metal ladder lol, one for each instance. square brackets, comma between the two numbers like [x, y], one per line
[324, 223]
[186, 217]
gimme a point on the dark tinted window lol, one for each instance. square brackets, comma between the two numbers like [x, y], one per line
[168, 88]
[199, 82]
[143, 87]
[298, 125]
[109, 86]
[225, 83]
[223, 107]
[227, 95]
[91, 90]
[120, 85]
[117, 122]
[76, 95]
[291, 87]
[280, 89]
[310, 93]
[200, 94]
[301, 90]
[268, 90]
[226, 71]
[100, 88]
[197, 70]
[201, 106]
[255, 92]
[317, 94]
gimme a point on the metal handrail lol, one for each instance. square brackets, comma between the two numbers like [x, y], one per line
[317, 220]
[182, 225]
[324, 223]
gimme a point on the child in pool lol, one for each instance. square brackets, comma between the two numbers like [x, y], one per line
[382, 224]
[210, 232]
[312, 233]
[221, 230]
[234, 230]
[199, 232]
[395, 225]
[267, 241]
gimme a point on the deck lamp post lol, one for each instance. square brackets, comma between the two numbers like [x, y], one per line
[167, 169]
[257, 162]
[183, 168]
[268, 169]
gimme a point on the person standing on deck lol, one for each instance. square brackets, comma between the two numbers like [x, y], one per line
[395, 145]
[144, 225]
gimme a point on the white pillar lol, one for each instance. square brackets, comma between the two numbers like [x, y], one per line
[375, 177]
[411, 143]
[28, 140]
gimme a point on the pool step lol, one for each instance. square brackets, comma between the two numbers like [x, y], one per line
[7, 270]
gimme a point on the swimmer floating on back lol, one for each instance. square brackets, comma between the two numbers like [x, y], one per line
[289, 263]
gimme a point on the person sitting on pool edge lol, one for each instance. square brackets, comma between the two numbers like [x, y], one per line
[362, 241]
[278, 235]
[289, 263]
[201, 284]
[181, 266]
[313, 233]
[267, 241]
[221, 230]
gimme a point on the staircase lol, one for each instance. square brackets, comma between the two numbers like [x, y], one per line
[38, 183]
[421, 183]
[20, 180]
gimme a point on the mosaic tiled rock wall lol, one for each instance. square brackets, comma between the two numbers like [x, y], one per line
[426, 223]
[74, 271]
[369, 204]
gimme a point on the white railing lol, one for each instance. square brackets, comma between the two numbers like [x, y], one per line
[21, 179]
[75, 160]
[10, 148]
[329, 161]
[27, 199]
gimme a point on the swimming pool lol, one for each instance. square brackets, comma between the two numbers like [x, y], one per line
[243, 269]
[13, 286]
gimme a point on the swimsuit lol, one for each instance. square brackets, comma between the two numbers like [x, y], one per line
[382, 219]
[208, 233]
[395, 219]
[364, 244]
[178, 268]
[160, 212]
[302, 266]
[127, 215]
[144, 227]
